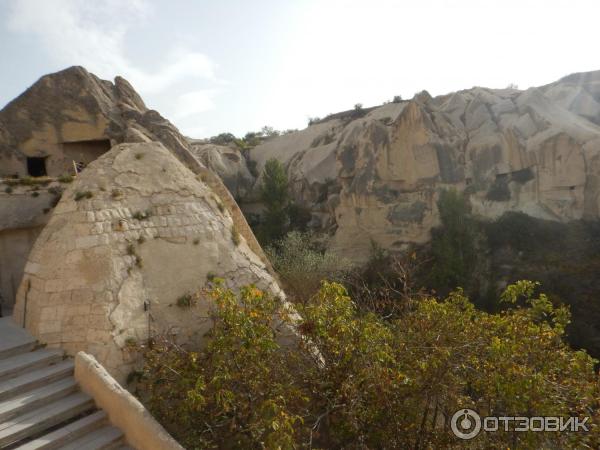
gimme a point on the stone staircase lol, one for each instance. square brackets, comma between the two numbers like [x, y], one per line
[41, 405]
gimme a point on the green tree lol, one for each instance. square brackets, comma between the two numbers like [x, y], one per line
[275, 196]
[453, 244]
[353, 380]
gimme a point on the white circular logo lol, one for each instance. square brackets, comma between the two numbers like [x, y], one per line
[465, 424]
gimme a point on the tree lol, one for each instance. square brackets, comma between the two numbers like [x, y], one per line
[269, 131]
[397, 99]
[453, 244]
[355, 380]
[275, 196]
[222, 139]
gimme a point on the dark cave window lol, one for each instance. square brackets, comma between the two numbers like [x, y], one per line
[36, 167]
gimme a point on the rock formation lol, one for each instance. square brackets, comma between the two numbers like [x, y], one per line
[134, 235]
[73, 117]
[376, 173]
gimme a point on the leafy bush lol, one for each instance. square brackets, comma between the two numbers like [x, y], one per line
[235, 236]
[222, 139]
[397, 99]
[372, 383]
[302, 266]
[80, 195]
[65, 179]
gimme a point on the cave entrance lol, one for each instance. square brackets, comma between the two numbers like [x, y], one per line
[36, 167]
[84, 152]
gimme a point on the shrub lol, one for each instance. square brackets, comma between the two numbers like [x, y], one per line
[372, 383]
[65, 179]
[8, 189]
[80, 195]
[142, 215]
[235, 236]
[397, 99]
[186, 301]
[222, 139]
[302, 266]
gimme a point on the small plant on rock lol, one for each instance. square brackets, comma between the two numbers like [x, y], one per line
[235, 236]
[80, 195]
[65, 179]
[186, 301]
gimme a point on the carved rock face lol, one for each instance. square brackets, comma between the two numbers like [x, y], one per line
[378, 176]
[135, 232]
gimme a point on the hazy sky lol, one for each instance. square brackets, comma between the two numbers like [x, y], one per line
[236, 65]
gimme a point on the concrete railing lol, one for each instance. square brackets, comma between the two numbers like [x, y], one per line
[124, 411]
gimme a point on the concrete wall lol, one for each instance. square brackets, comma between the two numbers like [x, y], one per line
[124, 411]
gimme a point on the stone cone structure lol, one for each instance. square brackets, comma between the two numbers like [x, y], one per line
[135, 232]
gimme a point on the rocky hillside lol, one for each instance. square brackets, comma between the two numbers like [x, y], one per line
[376, 173]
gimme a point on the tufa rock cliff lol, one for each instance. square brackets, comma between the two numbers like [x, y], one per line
[376, 173]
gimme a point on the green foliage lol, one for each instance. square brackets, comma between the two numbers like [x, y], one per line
[223, 139]
[453, 245]
[268, 131]
[186, 301]
[274, 195]
[28, 181]
[357, 381]
[358, 111]
[240, 392]
[235, 236]
[142, 215]
[8, 189]
[302, 266]
[397, 99]
[65, 179]
[563, 256]
[80, 195]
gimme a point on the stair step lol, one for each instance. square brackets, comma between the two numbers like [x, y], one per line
[14, 365]
[14, 339]
[31, 423]
[103, 438]
[35, 378]
[67, 434]
[36, 398]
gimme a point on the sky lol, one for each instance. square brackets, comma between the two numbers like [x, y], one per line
[238, 65]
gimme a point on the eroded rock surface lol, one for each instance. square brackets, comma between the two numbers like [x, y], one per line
[135, 232]
[376, 174]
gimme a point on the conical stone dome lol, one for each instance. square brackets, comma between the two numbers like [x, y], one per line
[135, 232]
